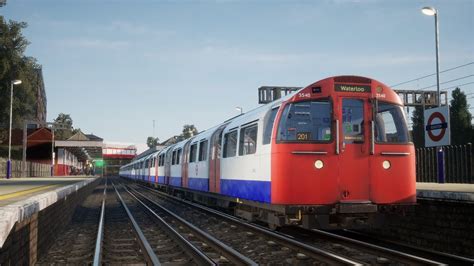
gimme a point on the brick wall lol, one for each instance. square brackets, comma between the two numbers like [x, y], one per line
[34, 235]
[441, 225]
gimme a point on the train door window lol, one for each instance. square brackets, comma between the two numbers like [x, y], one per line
[248, 140]
[390, 124]
[268, 122]
[178, 156]
[203, 150]
[306, 121]
[353, 120]
[230, 144]
[192, 153]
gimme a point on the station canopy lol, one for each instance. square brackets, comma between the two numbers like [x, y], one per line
[85, 147]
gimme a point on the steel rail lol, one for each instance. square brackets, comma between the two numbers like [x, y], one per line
[281, 238]
[200, 257]
[230, 253]
[383, 249]
[151, 256]
[100, 232]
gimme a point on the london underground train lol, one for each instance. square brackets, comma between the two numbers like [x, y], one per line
[335, 154]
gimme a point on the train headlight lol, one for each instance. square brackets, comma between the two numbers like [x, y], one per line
[386, 165]
[318, 164]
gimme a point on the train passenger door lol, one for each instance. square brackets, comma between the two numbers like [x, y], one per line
[214, 160]
[354, 178]
[167, 174]
[185, 164]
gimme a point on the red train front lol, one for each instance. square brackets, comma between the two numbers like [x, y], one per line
[342, 142]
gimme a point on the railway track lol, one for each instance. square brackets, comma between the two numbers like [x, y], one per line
[74, 245]
[174, 246]
[359, 251]
[123, 241]
[260, 245]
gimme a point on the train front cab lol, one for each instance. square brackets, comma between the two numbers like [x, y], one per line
[341, 152]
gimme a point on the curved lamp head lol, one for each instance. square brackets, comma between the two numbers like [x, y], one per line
[16, 82]
[429, 11]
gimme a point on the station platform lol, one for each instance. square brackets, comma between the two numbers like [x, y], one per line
[20, 198]
[459, 192]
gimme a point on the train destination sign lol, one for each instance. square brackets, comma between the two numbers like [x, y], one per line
[437, 131]
[352, 88]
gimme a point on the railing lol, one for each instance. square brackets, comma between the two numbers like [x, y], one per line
[32, 169]
[457, 166]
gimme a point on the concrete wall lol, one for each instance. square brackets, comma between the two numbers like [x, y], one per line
[32, 235]
[442, 225]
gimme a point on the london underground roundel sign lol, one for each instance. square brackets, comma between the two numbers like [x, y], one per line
[437, 126]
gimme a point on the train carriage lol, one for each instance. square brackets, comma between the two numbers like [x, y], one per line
[331, 155]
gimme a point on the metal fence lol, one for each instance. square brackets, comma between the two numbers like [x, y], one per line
[32, 169]
[457, 166]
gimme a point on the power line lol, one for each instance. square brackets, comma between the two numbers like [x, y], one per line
[447, 82]
[449, 69]
[453, 87]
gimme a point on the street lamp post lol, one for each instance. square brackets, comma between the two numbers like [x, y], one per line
[9, 162]
[431, 11]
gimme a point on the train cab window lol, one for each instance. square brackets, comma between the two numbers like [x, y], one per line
[192, 153]
[230, 144]
[248, 140]
[390, 124]
[305, 122]
[353, 120]
[203, 150]
[268, 122]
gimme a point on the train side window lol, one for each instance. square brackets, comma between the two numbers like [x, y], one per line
[390, 124]
[268, 122]
[203, 150]
[248, 140]
[192, 153]
[173, 158]
[178, 156]
[230, 144]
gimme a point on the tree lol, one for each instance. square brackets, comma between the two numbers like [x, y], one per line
[64, 124]
[460, 118]
[188, 132]
[152, 142]
[418, 127]
[15, 65]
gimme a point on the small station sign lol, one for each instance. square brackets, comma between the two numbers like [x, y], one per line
[437, 131]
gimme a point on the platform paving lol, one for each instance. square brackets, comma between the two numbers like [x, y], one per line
[461, 192]
[17, 189]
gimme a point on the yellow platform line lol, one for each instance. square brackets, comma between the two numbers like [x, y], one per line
[24, 192]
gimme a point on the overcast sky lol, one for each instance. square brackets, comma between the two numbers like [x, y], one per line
[115, 65]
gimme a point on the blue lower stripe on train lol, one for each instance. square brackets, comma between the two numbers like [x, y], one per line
[161, 179]
[246, 189]
[201, 184]
[175, 181]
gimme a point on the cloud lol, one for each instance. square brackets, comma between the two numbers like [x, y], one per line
[94, 44]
